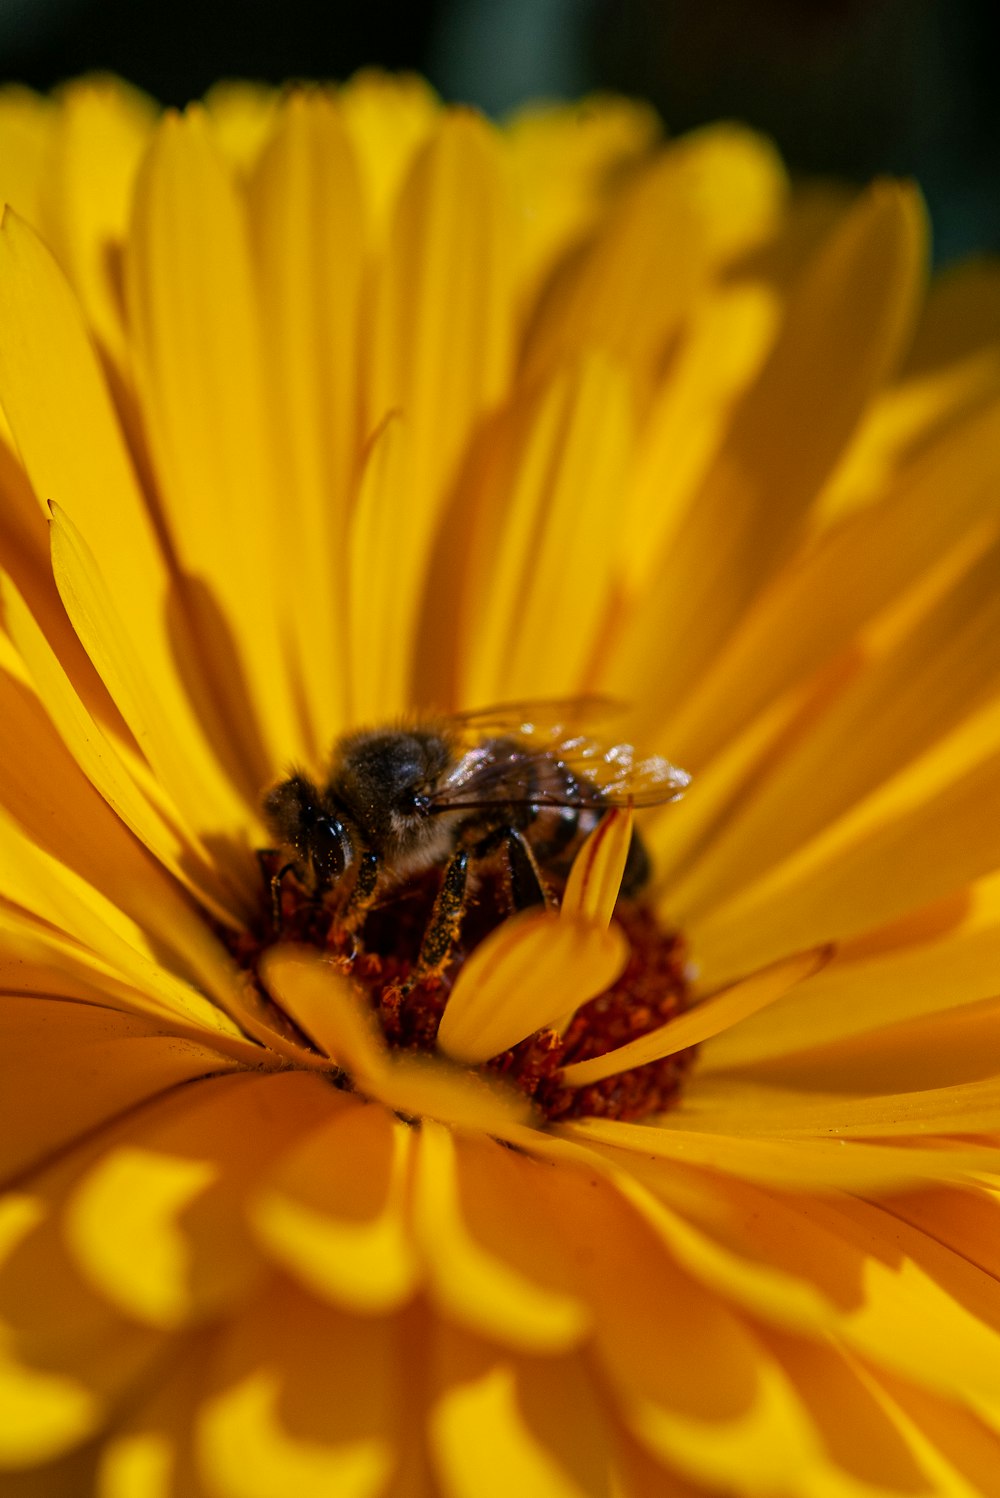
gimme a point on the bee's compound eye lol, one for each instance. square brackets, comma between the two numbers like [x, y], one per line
[329, 849]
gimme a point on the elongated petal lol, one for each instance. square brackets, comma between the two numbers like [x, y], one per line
[531, 972]
[108, 1062]
[270, 1418]
[156, 1222]
[746, 1108]
[97, 755]
[52, 892]
[944, 957]
[805, 1163]
[190, 289]
[939, 673]
[440, 349]
[332, 1211]
[475, 1282]
[708, 1018]
[103, 129]
[596, 876]
[629, 291]
[382, 597]
[57, 404]
[308, 234]
[786, 434]
[500, 1426]
[924, 836]
[808, 613]
[329, 1010]
[538, 563]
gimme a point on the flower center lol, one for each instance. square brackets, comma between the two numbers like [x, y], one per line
[382, 959]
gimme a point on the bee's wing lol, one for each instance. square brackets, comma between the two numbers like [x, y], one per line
[624, 778]
[519, 773]
[542, 717]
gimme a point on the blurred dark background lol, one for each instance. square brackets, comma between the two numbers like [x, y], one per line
[846, 87]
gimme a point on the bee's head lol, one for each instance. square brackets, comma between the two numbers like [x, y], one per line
[301, 816]
[385, 780]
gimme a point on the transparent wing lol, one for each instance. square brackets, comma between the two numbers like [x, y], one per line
[538, 717]
[569, 771]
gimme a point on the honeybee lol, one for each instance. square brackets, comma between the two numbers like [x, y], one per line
[515, 785]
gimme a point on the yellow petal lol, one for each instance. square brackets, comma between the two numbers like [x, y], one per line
[924, 835]
[440, 342]
[951, 370]
[936, 676]
[866, 1441]
[537, 568]
[474, 1281]
[66, 1358]
[426, 1086]
[24, 549]
[329, 1009]
[381, 595]
[857, 302]
[501, 1426]
[595, 878]
[718, 1416]
[528, 973]
[808, 613]
[332, 1211]
[43, 1414]
[731, 330]
[27, 124]
[199, 373]
[102, 129]
[961, 317]
[307, 227]
[741, 1106]
[708, 1018]
[97, 756]
[927, 1312]
[67, 433]
[805, 1163]
[107, 1063]
[156, 1221]
[52, 892]
[389, 117]
[338, 1018]
[241, 116]
[273, 1421]
[751, 1245]
[706, 197]
[144, 1258]
[569, 160]
[953, 1049]
[942, 957]
[956, 1447]
[148, 1454]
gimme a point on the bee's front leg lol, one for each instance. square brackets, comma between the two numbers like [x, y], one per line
[362, 896]
[274, 882]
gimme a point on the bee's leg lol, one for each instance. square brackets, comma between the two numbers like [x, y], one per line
[445, 922]
[362, 895]
[527, 887]
[637, 868]
[275, 882]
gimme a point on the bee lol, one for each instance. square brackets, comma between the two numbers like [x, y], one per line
[513, 785]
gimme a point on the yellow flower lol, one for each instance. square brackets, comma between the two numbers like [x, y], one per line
[340, 405]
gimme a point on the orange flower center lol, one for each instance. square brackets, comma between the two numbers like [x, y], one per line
[382, 956]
